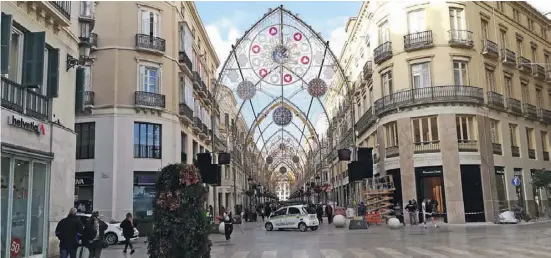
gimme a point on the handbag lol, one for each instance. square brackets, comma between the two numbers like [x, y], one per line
[104, 244]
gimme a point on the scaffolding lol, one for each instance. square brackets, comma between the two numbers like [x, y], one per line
[378, 195]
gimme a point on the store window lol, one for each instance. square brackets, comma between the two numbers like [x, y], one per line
[24, 196]
[143, 196]
[147, 140]
[465, 126]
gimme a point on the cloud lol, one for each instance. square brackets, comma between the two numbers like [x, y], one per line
[224, 32]
[336, 33]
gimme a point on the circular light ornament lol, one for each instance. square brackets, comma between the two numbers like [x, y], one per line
[282, 116]
[282, 170]
[246, 90]
[282, 146]
[269, 160]
[317, 87]
[296, 159]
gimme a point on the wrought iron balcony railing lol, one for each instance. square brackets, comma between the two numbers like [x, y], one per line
[531, 153]
[149, 99]
[418, 40]
[426, 147]
[489, 48]
[392, 152]
[365, 121]
[538, 71]
[514, 106]
[461, 38]
[496, 100]
[529, 111]
[524, 64]
[23, 100]
[497, 148]
[197, 125]
[367, 70]
[508, 57]
[185, 110]
[467, 145]
[545, 155]
[184, 59]
[430, 95]
[88, 98]
[64, 7]
[515, 151]
[382, 52]
[150, 42]
[544, 115]
[93, 40]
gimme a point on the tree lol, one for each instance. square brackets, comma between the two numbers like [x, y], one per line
[180, 226]
[541, 178]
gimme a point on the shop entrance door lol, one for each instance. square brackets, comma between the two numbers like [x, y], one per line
[430, 184]
[473, 200]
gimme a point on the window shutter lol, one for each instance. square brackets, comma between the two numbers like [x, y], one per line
[53, 73]
[157, 26]
[5, 38]
[33, 58]
[79, 90]
[145, 23]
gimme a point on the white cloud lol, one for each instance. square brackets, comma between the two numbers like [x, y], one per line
[541, 5]
[337, 38]
[222, 35]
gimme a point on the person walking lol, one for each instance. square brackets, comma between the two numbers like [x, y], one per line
[228, 224]
[399, 212]
[411, 209]
[329, 212]
[427, 207]
[69, 232]
[127, 227]
[319, 213]
[94, 232]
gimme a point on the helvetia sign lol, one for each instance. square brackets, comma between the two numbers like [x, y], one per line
[32, 126]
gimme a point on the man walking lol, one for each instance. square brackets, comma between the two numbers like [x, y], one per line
[95, 229]
[411, 209]
[69, 232]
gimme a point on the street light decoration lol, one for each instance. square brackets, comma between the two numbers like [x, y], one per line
[296, 159]
[246, 90]
[282, 170]
[317, 88]
[269, 160]
[282, 116]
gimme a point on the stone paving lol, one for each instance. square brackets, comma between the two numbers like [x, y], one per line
[486, 240]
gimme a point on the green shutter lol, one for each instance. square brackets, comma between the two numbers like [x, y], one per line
[33, 58]
[53, 73]
[79, 90]
[5, 39]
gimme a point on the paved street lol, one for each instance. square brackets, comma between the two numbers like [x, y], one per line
[449, 241]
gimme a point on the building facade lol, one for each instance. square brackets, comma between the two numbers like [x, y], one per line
[148, 103]
[455, 100]
[38, 137]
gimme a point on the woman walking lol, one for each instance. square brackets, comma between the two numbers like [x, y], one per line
[228, 224]
[128, 232]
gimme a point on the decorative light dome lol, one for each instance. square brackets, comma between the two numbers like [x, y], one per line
[317, 87]
[282, 170]
[246, 90]
[296, 159]
[269, 160]
[282, 116]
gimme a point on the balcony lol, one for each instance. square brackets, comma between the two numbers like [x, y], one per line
[524, 64]
[392, 152]
[93, 41]
[429, 95]
[426, 147]
[149, 99]
[150, 43]
[545, 155]
[544, 115]
[64, 7]
[496, 100]
[529, 111]
[382, 52]
[367, 70]
[531, 153]
[203, 133]
[515, 151]
[508, 57]
[461, 38]
[185, 112]
[467, 145]
[208, 98]
[418, 40]
[184, 60]
[24, 100]
[88, 99]
[197, 126]
[57, 11]
[489, 48]
[538, 71]
[497, 148]
[365, 122]
[514, 106]
[198, 85]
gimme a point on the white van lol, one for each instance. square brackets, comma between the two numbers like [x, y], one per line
[292, 217]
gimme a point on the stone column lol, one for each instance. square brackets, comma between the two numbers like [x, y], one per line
[451, 169]
[487, 170]
[407, 167]
[381, 149]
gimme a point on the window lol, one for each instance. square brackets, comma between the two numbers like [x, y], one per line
[539, 98]
[460, 74]
[503, 38]
[516, 15]
[87, 78]
[182, 88]
[530, 23]
[457, 22]
[293, 211]
[509, 93]
[147, 140]
[86, 8]
[534, 54]
[499, 5]
[513, 135]
[525, 92]
[181, 37]
[280, 212]
[391, 134]
[416, 21]
[465, 129]
[490, 79]
[150, 23]
[384, 33]
[546, 59]
[15, 72]
[371, 96]
[530, 138]
[420, 75]
[150, 78]
[544, 141]
[494, 129]
[519, 47]
[386, 78]
[183, 148]
[86, 137]
[543, 31]
[425, 130]
[484, 29]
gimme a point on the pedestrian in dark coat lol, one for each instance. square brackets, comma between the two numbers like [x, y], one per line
[69, 232]
[127, 226]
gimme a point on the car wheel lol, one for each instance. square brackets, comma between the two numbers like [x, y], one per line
[111, 238]
[302, 227]
[268, 226]
[314, 228]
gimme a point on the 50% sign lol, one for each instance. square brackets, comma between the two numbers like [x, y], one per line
[15, 247]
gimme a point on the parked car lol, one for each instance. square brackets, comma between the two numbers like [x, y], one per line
[292, 217]
[113, 234]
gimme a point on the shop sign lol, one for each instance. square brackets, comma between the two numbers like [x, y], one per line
[500, 170]
[84, 181]
[31, 126]
[431, 172]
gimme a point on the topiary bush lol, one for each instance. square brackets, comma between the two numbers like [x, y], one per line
[180, 225]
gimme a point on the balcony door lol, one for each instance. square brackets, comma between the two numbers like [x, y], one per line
[149, 79]
[150, 23]
[384, 33]
[416, 21]
[457, 23]
[420, 78]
